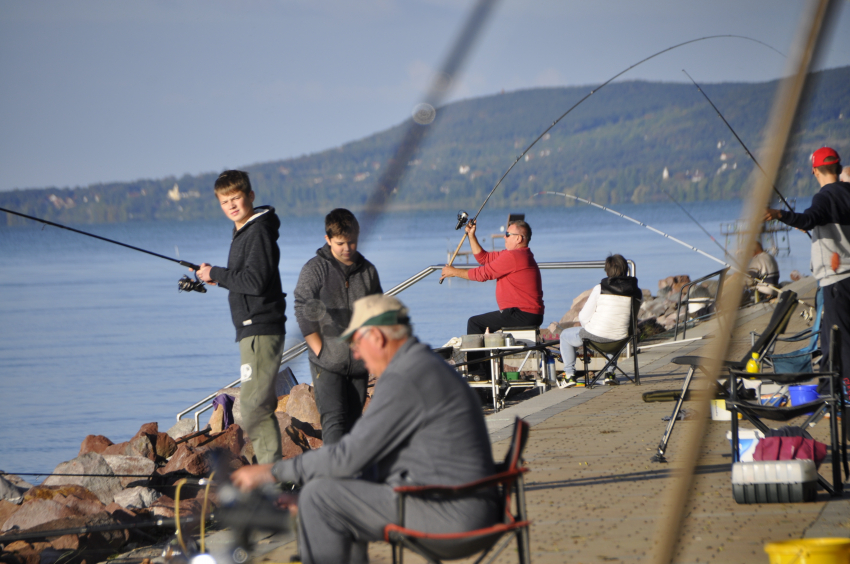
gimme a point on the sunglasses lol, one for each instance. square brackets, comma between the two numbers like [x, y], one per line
[507, 234]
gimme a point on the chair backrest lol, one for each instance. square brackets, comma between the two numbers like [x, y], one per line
[513, 459]
[813, 341]
[785, 305]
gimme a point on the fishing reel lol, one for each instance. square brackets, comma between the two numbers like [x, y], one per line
[186, 284]
[462, 218]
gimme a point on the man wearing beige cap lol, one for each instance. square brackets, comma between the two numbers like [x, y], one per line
[423, 426]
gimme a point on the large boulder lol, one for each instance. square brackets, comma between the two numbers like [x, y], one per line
[189, 460]
[7, 508]
[99, 477]
[302, 405]
[137, 498]
[231, 439]
[95, 443]
[131, 470]
[181, 428]
[11, 492]
[43, 504]
[570, 319]
[293, 440]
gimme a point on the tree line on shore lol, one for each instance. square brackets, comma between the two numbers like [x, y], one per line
[633, 142]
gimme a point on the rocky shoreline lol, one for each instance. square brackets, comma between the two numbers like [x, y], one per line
[135, 482]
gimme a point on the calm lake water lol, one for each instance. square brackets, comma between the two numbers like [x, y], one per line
[95, 338]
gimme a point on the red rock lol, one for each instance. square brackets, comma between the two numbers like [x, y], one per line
[141, 445]
[37, 512]
[314, 436]
[148, 429]
[293, 440]
[164, 507]
[119, 449]
[189, 460]
[231, 439]
[302, 405]
[7, 508]
[66, 542]
[95, 443]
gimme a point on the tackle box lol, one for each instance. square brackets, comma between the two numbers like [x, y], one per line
[774, 481]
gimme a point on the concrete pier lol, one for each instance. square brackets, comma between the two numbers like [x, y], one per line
[594, 495]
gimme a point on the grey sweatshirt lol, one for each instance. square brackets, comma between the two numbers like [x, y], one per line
[324, 296]
[423, 426]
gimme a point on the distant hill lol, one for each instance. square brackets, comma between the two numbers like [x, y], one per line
[613, 148]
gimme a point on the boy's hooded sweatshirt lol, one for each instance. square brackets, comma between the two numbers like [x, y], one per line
[257, 302]
[324, 297]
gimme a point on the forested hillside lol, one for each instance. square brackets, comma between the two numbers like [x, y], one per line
[614, 147]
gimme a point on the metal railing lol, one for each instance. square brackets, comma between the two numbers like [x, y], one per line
[296, 351]
[721, 274]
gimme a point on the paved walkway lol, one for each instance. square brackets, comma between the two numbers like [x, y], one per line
[595, 496]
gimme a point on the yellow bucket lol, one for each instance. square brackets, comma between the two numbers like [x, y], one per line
[809, 551]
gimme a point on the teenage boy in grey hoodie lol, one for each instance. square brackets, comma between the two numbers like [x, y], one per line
[327, 288]
[257, 306]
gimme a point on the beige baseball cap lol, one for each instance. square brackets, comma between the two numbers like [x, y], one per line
[376, 309]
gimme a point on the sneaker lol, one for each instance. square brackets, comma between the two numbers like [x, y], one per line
[610, 379]
[570, 381]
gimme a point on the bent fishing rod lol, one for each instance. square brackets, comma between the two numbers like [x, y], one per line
[642, 224]
[746, 150]
[185, 284]
[463, 217]
[704, 230]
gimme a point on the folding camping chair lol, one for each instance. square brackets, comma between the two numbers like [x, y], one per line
[611, 351]
[785, 305]
[799, 360]
[450, 546]
[833, 403]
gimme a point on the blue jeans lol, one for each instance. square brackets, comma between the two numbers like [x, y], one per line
[570, 341]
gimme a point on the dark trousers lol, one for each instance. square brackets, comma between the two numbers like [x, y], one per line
[340, 401]
[495, 320]
[836, 311]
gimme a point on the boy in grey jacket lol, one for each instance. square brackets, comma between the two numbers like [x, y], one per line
[327, 288]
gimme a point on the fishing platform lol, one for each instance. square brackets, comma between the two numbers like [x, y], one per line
[594, 494]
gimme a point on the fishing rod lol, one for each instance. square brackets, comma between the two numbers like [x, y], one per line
[746, 150]
[463, 217]
[654, 230]
[698, 224]
[185, 284]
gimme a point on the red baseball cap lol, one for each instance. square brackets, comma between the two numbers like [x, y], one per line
[819, 157]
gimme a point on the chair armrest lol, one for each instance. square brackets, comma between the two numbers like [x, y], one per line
[463, 489]
[787, 379]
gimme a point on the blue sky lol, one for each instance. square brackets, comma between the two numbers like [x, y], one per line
[98, 91]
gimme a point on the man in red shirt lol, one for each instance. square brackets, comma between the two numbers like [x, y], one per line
[519, 290]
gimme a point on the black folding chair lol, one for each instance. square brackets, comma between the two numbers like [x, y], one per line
[785, 305]
[436, 548]
[611, 351]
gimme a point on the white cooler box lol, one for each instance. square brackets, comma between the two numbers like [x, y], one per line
[776, 481]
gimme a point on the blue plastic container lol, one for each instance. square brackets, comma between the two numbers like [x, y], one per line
[803, 394]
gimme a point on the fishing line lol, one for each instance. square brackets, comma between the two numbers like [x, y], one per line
[746, 150]
[654, 230]
[710, 236]
[577, 104]
[184, 284]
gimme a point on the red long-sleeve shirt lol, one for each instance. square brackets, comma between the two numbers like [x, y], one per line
[517, 277]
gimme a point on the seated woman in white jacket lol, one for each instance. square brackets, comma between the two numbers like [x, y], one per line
[604, 318]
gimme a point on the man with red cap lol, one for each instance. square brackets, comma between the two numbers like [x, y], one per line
[828, 220]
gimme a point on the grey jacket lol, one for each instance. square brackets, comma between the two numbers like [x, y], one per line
[829, 220]
[324, 297]
[423, 426]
